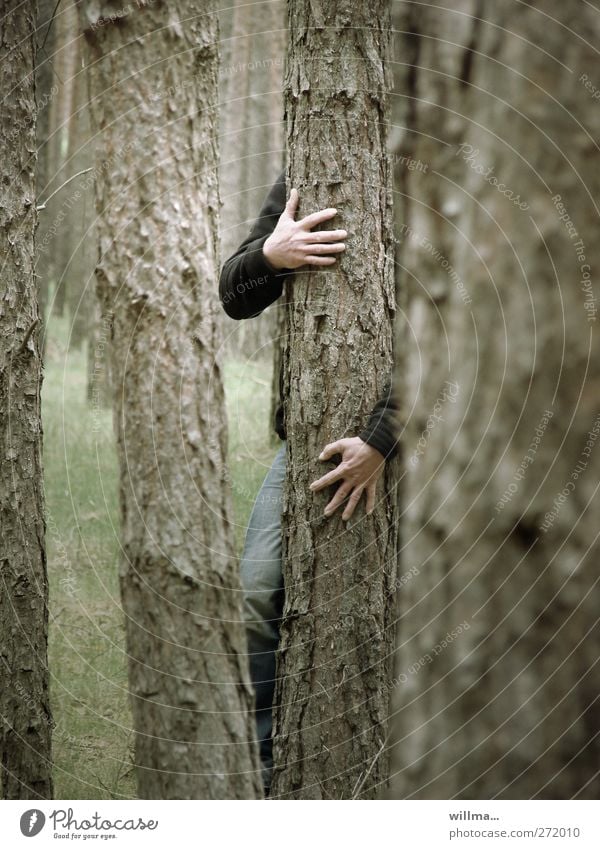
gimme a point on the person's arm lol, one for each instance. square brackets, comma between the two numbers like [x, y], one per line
[382, 430]
[362, 458]
[248, 282]
[278, 244]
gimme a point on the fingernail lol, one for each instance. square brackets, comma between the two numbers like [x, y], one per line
[322, 456]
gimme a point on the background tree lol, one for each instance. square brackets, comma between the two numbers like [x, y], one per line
[46, 90]
[153, 74]
[498, 677]
[25, 739]
[252, 133]
[80, 256]
[55, 247]
[337, 635]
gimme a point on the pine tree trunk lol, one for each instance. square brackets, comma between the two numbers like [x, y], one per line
[498, 673]
[234, 88]
[46, 90]
[98, 388]
[82, 259]
[337, 634]
[25, 739]
[154, 95]
[58, 211]
[261, 145]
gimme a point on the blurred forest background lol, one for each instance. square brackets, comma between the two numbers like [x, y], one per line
[494, 123]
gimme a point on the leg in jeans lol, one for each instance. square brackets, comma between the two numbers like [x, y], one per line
[263, 600]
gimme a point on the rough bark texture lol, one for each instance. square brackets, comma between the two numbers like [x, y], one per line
[25, 738]
[154, 83]
[337, 635]
[498, 676]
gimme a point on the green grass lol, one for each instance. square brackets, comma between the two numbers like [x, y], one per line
[93, 734]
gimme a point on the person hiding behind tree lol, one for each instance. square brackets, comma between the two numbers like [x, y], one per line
[251, 280]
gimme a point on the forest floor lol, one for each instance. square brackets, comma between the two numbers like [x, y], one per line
[93, 740]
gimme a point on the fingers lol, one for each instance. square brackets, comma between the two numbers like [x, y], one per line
[315, 218]
[291, 206]
[319, 250]
[352, 502]
[370, 498]
[331, 449]
[320, 260]
[328, 479]
[327, 235]
[337, 499]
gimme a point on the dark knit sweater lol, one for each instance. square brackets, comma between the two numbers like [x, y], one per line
[249, 284]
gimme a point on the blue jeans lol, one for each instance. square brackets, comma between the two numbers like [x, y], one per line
[262, 581]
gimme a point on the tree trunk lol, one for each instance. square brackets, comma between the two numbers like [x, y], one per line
[337, 634]
[46, 90]
[498, 673]
[252, 139]
[154, 94]
[98, 388]
[58, 210]
[235, 88]
[25, 740]
[82, 258]
[265, 131]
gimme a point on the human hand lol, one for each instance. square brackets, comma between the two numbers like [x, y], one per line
[292, 243]
[360, 469]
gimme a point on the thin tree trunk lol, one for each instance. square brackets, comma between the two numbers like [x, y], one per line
[252, 137]
[25, 739]
[58, 211]
[82, 259]
[98, 389]
[154, 96]
[46, 90]
[498, 673]
[235, 88]
[337, 635]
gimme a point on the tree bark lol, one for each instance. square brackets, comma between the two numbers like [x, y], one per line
[46, 90]
[59, 208]
[154, 95]
[235, 89]
[25, 739]
[498, 674]
[337, 634]
[81, 260]
[252, 140]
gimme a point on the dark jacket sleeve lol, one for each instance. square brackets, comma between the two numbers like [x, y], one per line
[248, 283]
[383, 428]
